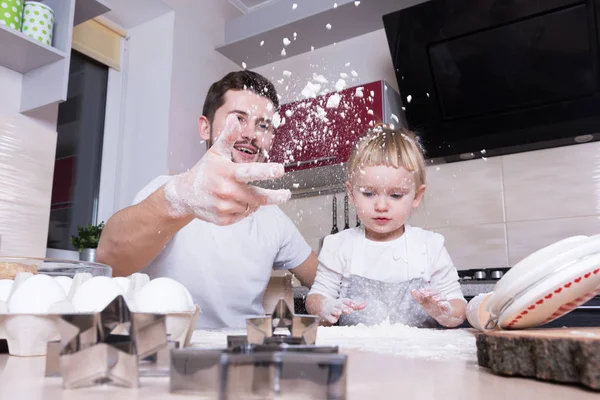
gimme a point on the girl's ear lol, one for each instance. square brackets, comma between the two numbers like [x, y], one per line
[419, 196]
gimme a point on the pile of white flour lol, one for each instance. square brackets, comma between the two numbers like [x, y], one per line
[386, 338]
[402, 340]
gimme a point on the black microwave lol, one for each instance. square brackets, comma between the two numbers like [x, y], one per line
[490, 77]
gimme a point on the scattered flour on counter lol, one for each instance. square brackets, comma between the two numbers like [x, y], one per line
[385, 338]
[402, 340]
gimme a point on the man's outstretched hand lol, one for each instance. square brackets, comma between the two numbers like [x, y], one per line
[216, 189]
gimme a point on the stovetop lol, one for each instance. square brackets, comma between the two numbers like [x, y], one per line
[481, 275]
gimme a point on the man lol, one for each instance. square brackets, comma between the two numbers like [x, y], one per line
[208, 228]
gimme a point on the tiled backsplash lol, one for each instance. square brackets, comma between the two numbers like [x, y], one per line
[492, 212]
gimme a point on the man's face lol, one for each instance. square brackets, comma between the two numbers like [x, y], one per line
[255, 115]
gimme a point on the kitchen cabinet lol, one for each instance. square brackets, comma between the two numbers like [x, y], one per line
[45, 69]
[314, 141]
[315, 135]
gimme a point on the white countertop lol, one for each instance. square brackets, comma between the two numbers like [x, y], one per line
[371, 373]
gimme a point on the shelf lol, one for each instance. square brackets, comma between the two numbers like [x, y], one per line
[88, 9]
[23, 54]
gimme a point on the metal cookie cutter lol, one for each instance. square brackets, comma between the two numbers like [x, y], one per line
[279, 366]
[106, 347]
[302, 328]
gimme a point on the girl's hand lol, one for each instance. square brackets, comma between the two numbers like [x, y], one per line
[436, 306]
[334, 308]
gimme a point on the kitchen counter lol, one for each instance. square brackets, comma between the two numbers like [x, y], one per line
[469, 289]
[370, 374]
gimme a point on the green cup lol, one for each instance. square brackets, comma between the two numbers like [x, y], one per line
[11, 13]
[38, 21]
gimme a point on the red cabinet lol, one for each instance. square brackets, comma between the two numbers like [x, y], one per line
[315, 135]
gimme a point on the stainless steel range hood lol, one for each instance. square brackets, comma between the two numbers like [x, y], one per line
[311, 182]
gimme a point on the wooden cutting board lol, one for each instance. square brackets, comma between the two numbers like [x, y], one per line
[564, 355]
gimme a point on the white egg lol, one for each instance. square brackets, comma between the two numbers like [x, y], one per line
[5, 287]
[35, 295]
[123, 282]
[95, 294]
[65, 282]
[164, 295]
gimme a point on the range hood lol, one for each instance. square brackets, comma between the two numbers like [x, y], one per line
[311, 182]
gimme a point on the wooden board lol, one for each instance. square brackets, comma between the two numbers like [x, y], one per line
[567, 355]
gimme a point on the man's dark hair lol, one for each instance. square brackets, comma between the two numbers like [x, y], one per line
[238, 80]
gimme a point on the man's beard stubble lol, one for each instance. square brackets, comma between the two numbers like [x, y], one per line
[262, 154]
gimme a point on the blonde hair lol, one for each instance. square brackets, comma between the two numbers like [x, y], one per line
[392, 147]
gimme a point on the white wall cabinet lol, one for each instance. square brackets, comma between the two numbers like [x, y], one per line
[45, 68]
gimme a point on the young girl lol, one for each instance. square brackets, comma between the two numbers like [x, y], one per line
[386, 268]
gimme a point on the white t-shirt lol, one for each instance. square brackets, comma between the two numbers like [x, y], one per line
[416, 254]
[227, 268]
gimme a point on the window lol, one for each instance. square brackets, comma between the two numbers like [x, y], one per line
[78, 152]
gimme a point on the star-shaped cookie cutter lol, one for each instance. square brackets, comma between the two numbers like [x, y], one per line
[302, 328]
[264, 364]
[105, 347]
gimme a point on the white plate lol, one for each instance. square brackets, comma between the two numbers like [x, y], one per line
[555, 295]
[539, 266]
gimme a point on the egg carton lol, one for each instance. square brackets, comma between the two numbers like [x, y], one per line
[28, 317]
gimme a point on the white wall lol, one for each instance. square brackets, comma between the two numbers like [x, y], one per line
[25, 196]
[10, 83]
[169, 64]
[199, 29]
[142, 154]
[368, 55]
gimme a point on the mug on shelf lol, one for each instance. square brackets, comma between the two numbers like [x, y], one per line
[38, 21]
[11, 13]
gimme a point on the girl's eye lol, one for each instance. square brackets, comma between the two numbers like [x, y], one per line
[241, 119]
[397, 195]
[367, 194]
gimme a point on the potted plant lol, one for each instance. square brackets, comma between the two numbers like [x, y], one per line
[86, 241]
